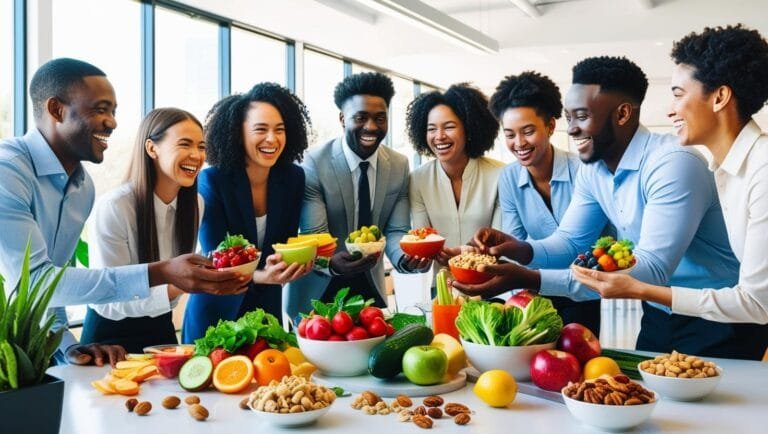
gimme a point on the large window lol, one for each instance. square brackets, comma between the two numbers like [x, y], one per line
[6, 68]
[321, 75]
[256, 58]
[186, 62]
[398, 137]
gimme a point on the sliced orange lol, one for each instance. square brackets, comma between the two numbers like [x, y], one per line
[233, 374]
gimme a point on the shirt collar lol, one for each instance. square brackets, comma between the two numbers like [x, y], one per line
[162, 208]
[560, 171]
[44, 161]
[739, 151]
[353, 160]
[635, 151]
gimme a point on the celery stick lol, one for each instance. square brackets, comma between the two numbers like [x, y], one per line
[443, 293]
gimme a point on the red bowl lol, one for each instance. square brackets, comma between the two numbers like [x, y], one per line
[422, 249]
[468, 276]
[170, 364]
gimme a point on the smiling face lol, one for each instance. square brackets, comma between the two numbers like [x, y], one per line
[178, 156]
[263, 135]
[590, 121]
[87, 119]
[527, 135]
[365, 122]
[445, 135]
[691, 113]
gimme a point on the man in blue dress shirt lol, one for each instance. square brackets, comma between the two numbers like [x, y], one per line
[46, 196]
[655, 192]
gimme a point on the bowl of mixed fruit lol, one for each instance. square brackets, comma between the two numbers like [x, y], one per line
[422, 242]
[236, 253]
[366, 241]
[608, 255]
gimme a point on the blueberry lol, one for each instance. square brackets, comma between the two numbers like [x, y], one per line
[592, 262]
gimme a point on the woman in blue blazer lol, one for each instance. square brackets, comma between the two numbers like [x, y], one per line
[253, 188]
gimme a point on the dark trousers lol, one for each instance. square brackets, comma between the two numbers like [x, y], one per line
[662, 332]
[586, 313]
[357, 284]
[132, 333]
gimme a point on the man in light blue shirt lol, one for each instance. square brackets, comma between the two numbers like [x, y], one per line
[46, 196]
[655, 192]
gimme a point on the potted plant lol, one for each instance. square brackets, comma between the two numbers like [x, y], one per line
[26, 346]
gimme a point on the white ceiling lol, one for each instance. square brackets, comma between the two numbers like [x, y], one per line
[566, 31]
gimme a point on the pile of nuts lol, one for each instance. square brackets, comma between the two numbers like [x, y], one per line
[471, 260]
[610, 390]
[422, 416]
[679, 365]
[293, 394]
[170, 402]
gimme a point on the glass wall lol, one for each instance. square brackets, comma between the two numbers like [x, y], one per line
[398, 137]
[256, 58]
[186, 62]
[321, 75]
[6, 68]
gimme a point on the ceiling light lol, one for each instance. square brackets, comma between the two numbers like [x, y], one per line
[527, 7]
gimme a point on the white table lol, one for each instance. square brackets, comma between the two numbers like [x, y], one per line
[739, 405]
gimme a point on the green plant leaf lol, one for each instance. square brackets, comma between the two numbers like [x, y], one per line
[81, 253]
[9, 358]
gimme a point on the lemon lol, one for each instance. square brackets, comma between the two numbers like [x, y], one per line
[598, 366]
[496, 388]
[294, 355]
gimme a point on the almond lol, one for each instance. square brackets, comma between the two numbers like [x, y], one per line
[198, 412]
[131, 404]
[371, 397]
[171, 402]
[192, 399]
[143, 408]
[244, 404]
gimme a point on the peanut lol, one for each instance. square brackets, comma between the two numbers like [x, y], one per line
[679, 365]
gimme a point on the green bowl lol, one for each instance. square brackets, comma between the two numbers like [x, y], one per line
[300, 255]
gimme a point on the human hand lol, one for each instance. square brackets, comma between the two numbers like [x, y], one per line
[506, 276]
[347, 263]
[415, 264]
[496, 243]
[194, 273]
[96, 354]
[446, 253]
[608, 285]
[278, 272]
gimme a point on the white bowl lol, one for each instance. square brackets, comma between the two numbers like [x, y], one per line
[681, 389]
[339, 358]
[515, 360]
[610, 417]
[291, 419]
[246, 269]
[366, 249]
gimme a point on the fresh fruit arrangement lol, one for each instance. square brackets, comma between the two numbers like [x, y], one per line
[366, 234]
[234, 251]
[344, 320]
[326, 246]
[422, 242]
[608, 255]
[297, 251]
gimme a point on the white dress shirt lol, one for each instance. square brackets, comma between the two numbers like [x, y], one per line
[353, 161]
[742, 185]
[113, 241]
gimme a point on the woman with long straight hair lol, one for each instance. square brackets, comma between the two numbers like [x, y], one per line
[153, 216]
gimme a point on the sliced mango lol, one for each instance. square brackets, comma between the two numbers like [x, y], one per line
[103, 387]
[132, 364]
[126, 387]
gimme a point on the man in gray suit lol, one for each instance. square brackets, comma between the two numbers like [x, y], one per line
[351, 182]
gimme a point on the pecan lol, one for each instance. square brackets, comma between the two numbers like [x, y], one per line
[131, 404]
[143, 408]
[433, 401]
[633, 401]
[422, 421]
[435, 413]
[613, 398]
[403, 401]
[462, 419]
[591, 395]
[420, 410]
[371, 397]
[454, 408]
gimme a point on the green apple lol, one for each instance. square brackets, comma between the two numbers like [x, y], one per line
[425, 365]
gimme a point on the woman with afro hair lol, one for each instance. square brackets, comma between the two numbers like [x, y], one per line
[535, 191]
[718, 84]
[253, 188]
[456, 193]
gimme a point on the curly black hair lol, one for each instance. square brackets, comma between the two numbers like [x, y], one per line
[612, 74]
[529, 89]
[734, 56]
[55, 78]
[364, 83]
[470, 106]
[224, 126]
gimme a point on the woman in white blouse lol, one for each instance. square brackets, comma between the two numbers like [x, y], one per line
[153, 216]
[456, 193]
[718, 83]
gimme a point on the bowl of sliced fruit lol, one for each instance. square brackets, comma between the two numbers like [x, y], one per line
[236, 253]
[297, 252]
[422, 242]
[366, 241]
[609, 255]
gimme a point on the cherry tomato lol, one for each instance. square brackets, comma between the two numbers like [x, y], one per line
[342, 323]
[319, 329]
[377, 327]
[302, 329]
[390, 329]
[335, 337]
[368, 314]
[357, 333]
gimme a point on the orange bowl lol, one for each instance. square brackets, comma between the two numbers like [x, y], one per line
[468, 276]
[422, 249]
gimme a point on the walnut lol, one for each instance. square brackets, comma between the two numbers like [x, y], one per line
[454, 408]
[462, 419]
[131, 404]
[422, 421]
[198, 412]
[143, 408]
[403, 401]
[171, 402]
[433, 401]
[435, 413]
[192, 399]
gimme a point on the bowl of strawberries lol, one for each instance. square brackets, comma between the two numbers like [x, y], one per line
[422, 242]
[609, 255]
[236, 253]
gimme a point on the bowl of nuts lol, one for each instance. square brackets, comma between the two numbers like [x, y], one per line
[464, 267]
[612, 403]
[292, 402]
[680, 377]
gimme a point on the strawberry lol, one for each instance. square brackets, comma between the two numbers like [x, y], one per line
[218, 355]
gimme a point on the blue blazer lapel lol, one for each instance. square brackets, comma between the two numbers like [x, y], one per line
[242, 191]
[344, 182]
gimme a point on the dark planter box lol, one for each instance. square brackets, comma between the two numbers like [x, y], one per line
[34, 409]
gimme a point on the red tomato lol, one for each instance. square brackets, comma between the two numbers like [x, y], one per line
[302, 329]
[319, 329]
[342, 323]
[357, 333]
[335, 337]
[237, 260]
[368, 314]
[253, 350]
[390, 329]
[377, 327]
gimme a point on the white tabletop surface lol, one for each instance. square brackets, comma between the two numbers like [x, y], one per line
[738, 405]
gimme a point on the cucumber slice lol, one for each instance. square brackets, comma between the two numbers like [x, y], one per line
[196, 374]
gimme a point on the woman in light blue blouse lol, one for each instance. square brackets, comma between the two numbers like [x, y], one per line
[535, 191]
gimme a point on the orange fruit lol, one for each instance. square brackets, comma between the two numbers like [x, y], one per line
[233, 374]
[598, 366]
[271, 365]
[496, 388]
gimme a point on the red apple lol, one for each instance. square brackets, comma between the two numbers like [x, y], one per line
[579, 341]
[553, 369]
[520, 299]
